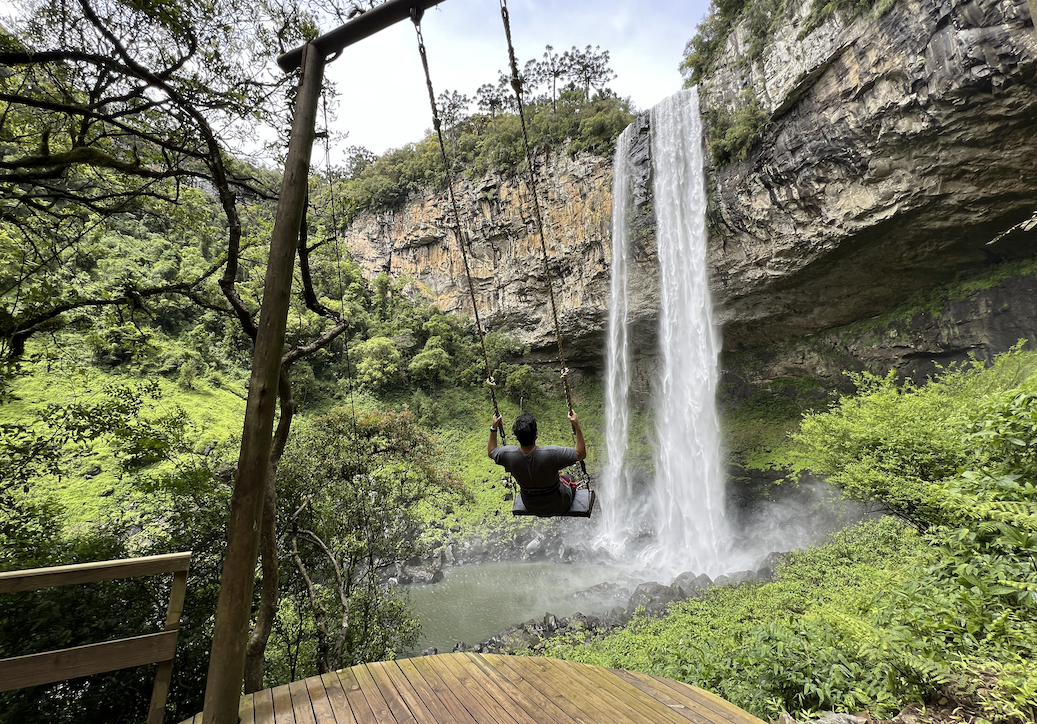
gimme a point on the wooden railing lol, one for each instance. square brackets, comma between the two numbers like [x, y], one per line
[51, 666]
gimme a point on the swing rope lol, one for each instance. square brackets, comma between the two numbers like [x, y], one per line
[459, 233]
[516, 85]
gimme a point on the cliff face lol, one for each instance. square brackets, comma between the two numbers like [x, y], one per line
[505, 258]
[897, 149]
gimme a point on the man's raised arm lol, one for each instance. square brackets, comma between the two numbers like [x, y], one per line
[491, 444]
[581, 446]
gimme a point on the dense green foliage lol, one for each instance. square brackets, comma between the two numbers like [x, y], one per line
[885, 615]
[732, 134]
[97, 465]
[175, 502]
[769, 648]
[756, 429]
[349, 489]
[481, 144]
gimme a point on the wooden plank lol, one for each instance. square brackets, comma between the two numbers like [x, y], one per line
[302, 704]
[472, 677]
[34, 579]
[612, 690]
[378, 700]
[416, 695]
[502, 691]
[51, 666]
[725, 709]
[528, 696]
[164, 673]
[414, 669]
[571, 694]
[474, 697]
[355, 696]
[705, 704]
[687, 708]
[337, 700]
[284, 712]
[247, 710]
[397, 705]
[262, 707]
[319, 700]
[160, 691]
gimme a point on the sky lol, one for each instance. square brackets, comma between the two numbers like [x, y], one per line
[382, 99]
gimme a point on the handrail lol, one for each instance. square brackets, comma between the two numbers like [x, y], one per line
[33, 579]
[51, 666]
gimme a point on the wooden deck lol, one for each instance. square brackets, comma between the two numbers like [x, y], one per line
[486, 689]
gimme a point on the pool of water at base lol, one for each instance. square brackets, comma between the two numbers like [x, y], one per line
[473, 603]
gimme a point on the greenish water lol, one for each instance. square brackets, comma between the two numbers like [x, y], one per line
[473, 603]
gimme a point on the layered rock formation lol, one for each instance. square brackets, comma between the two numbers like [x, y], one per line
[897, 149]
[511, 284]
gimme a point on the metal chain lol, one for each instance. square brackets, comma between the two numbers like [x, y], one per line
[459, 233]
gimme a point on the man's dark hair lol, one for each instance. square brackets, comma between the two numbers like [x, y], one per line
[525, 429]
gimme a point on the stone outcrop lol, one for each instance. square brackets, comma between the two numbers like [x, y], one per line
[900, 151]
[505, 256]
[975, 324]
[897, 148]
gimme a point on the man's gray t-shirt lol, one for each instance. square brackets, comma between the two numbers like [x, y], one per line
[537, 475]
[539, 469]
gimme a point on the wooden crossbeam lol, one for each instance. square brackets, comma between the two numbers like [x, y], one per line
[34, 579]
[51, 666]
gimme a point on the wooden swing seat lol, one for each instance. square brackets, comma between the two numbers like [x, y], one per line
[582, 507]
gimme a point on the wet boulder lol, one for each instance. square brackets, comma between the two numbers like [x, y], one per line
[655, 598]
[692, 584]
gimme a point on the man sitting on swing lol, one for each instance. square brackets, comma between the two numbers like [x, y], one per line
[535, 468]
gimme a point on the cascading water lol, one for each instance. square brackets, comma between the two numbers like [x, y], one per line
[686, 514]
[617, 493]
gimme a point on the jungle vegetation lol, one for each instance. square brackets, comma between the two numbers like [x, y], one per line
[932, 604]
[133, 235]
[133, 238]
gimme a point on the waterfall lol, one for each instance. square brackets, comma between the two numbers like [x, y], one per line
[684, 509]
[617, 491]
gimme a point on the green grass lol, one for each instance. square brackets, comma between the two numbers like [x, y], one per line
[757, 431]
[216, 416]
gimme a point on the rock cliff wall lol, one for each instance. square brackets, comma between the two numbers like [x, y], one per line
[898, 147]
[505, 257]
[900, 151]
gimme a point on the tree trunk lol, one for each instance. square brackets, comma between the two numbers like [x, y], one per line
[255, 651]
[230, 635]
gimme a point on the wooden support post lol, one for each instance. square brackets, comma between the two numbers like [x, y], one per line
[1033, 13]
[164, 673]
[233, 611]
